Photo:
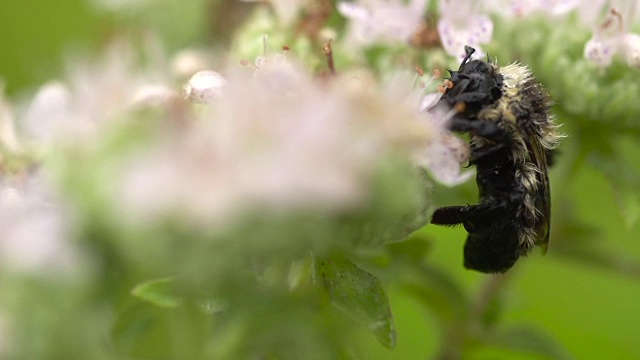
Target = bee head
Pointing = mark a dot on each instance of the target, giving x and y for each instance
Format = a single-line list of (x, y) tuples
[(476, 84)]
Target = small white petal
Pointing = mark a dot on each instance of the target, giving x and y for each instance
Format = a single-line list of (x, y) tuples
[(481, 29), (49, 108), (454, 178), (454, 38), (151, 95), (261, 61), (445, 153), (457, 147), (631, 44), (599, 51), (352, 10), (204, 87), (443, 163), (451, 38), (462, 23), (429, 101)]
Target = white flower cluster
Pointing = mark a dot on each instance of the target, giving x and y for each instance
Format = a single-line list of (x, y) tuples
[(271, 137), (382, 20), (36, 229), (65, 116), (34, 223), (466, 22), (276, 138), (613, 37), (462, 23), (96, 93)]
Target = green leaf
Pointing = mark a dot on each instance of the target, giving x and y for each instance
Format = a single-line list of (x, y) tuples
[(531, 341), (359, 294), (159, 292)]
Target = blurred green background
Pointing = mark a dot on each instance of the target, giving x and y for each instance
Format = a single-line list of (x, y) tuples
[(591, 307), (37, 34)]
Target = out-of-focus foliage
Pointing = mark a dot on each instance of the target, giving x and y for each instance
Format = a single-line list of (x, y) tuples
[(86, 277), (38, 35)]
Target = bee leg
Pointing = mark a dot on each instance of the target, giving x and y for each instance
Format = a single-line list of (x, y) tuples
[(486, 151), (477, 218), (484, 128), (473, 217), (460, 93), (485, 215), (449, 216)]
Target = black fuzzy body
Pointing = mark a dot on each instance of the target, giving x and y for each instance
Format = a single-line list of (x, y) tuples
[(506, 113)]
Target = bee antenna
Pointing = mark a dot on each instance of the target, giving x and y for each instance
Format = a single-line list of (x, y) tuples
[(449, 70), (489, 59), (469, 51)]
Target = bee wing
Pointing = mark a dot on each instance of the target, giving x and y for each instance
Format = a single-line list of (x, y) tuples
[(539, 156)]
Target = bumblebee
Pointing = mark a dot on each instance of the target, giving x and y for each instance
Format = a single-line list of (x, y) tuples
[(507, 114)]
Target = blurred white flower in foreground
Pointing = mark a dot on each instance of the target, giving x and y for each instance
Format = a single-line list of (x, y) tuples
[(446, 152), (34, 224), (96, 94), (613, 37), (278, 140), (461, 23), (274, 141), (35, 230), (384, 21), (442, 153)]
